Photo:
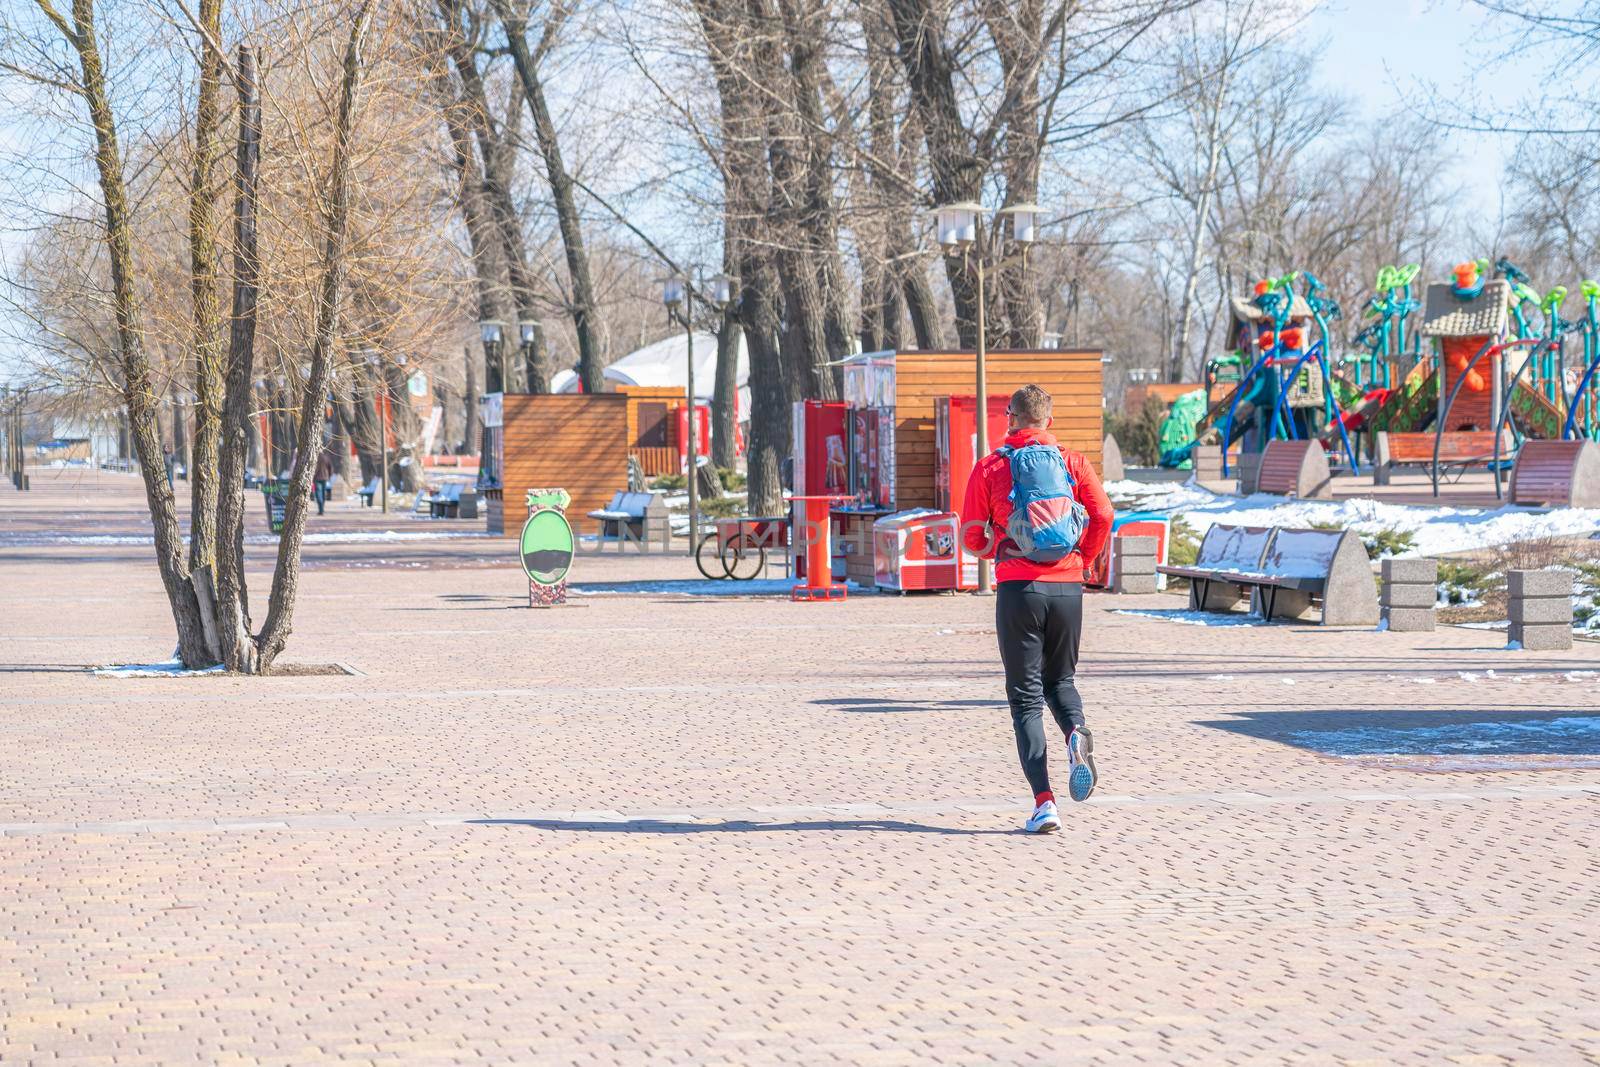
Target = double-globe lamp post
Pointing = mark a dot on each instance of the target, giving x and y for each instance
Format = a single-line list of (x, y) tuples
[(678, 296), (964, 233)]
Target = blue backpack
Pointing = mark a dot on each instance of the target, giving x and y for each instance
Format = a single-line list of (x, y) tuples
[(1046, 520)]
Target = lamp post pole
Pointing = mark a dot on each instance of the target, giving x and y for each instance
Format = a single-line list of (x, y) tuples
[(983, 399), (962, 229), (678, 295)]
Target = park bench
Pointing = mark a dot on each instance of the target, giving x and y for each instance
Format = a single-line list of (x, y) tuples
[(1292, 468), (1459, 449), (642, 515), (367, 492), (1557, 474), (1284, 573), (445, 502)]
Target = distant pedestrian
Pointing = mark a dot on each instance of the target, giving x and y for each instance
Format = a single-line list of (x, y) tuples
[(1041, 546), (169, 461), (322, 476)]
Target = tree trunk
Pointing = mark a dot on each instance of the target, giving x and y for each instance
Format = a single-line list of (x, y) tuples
[(956, 167), (286, 575), (405, 460), (724, 394), (138, 390), (469, 431), (206, 340), (237, 427), (561, 192)]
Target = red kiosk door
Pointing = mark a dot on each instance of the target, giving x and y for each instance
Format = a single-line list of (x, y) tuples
[(956, 439)]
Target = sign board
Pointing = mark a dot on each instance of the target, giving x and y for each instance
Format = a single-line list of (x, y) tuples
[(276, 503), (546, 547)]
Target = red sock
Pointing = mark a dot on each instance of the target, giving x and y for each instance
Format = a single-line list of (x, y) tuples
[(1043, 798)]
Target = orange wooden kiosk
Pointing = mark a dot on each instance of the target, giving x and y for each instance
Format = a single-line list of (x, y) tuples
[(576, 441)]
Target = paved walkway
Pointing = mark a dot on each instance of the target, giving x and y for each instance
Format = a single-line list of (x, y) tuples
[(647, 828)]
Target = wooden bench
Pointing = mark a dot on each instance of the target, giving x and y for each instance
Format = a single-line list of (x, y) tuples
[(1294, 468), (1460, 449), (1284, 573), (1560, 474), (641, 516)]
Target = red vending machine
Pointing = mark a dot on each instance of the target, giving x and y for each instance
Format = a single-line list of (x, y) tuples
[(956, 444), (915, 550), (821, 455)]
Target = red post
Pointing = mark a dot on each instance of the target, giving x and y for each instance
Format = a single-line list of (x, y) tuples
[(814, 527)]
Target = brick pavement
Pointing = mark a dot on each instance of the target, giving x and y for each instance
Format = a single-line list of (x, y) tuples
[(652, 829)]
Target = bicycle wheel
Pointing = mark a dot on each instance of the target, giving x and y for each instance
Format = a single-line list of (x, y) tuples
[(743, 559), (708, 559)]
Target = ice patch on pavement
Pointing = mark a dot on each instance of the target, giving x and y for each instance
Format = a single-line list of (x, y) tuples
[(1569, 736), (1189, 617), (172, 668)]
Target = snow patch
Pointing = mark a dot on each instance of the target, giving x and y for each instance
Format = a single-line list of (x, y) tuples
[(1434, 529), (1190, 618), (172, 668)]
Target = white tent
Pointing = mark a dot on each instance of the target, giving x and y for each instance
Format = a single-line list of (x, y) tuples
[(665, 364)]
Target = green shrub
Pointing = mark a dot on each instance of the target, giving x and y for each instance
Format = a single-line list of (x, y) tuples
[(723, 507), (1139, 434), (1462, 582), (732, 480), (1380, 544), (670, 483), (1183, 544)]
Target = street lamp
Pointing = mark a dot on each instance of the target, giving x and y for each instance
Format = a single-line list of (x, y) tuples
[(492, 331), (963, 233), (678, 296)]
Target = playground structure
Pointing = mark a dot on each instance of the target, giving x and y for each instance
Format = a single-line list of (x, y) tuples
[(1288, 390), (1481, 365)]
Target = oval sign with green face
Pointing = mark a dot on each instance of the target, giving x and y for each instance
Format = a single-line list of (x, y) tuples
[(546, 547)]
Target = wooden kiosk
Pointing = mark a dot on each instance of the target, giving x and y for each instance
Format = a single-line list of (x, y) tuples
[(574, 441)]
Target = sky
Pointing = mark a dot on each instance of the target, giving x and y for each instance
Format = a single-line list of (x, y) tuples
[(1384, 53), (1380, 53)]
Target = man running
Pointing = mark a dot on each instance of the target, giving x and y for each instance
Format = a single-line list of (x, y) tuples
[(1039, 604)]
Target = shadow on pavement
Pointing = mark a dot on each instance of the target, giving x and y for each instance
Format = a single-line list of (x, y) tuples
[(654, 826), (880, 706)]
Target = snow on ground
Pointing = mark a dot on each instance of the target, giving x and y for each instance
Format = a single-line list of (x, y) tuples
[(1193, 618), (171, 668), (1435, 529)]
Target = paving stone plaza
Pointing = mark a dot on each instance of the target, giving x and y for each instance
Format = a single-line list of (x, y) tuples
[(648, 827)]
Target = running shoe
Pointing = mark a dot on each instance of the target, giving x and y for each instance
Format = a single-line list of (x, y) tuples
[(1080, 754), (1044, 820)]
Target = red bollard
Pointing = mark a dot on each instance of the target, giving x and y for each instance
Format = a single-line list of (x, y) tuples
[(814, 527)]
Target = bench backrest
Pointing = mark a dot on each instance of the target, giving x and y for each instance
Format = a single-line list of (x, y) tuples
[(616, 501), (1557, 474), (633, 503), (1302, 553), (1455, 446), (451, 492), (370, 488), (1293, 468), (1234, 548)]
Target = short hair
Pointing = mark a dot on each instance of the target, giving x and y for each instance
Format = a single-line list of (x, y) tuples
[(1032, 405)]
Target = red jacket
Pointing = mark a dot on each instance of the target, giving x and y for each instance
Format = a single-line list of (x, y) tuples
[(988, 504)]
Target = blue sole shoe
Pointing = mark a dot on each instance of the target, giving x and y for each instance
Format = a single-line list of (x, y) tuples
[(1080, 754)]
